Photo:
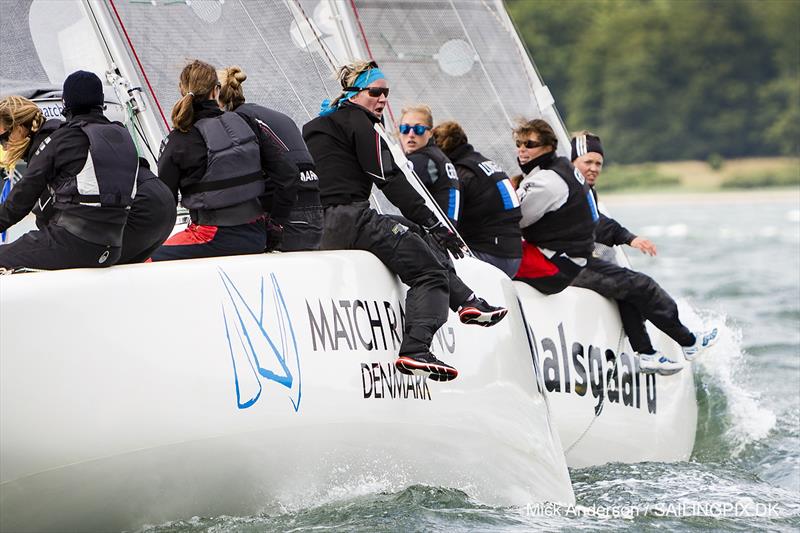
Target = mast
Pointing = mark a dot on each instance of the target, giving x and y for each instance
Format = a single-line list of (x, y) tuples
[(123, 76)]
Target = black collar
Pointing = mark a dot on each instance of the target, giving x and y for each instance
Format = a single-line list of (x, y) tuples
[(460, 151), (372, 116), (540, 161)]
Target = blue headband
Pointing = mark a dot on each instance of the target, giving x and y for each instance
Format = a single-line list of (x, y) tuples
[(362, 81)]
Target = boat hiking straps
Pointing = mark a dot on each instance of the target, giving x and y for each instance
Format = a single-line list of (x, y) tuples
[(599, 409)]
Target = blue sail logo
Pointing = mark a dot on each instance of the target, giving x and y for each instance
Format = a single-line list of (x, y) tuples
[(259, 357)]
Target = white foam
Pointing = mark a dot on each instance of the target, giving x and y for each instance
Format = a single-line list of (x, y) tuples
[(725, 363), (793, 215)]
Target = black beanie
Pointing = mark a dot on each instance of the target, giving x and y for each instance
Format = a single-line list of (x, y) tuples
[(82, 90), (583, 144)]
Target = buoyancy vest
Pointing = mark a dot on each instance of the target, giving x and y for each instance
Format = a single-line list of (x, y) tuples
[(439, 176), (285, 133), (108, 179), (491, 208), (570, 228), (283, 130), (233, 173)]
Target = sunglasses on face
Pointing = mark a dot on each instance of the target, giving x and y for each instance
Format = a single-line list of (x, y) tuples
[(419, 129), (529, 144), (374, 92)]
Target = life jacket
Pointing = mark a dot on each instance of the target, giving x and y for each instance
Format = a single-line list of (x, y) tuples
[(108, 178), (491, 208), (233, 173), (283, 130), (439, 175), (570, 228)]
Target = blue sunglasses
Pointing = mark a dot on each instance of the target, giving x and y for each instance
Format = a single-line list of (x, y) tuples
[(419, 129)]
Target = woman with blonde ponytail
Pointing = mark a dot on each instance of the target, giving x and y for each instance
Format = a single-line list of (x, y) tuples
[(82, 172), (218, 161), (20, 121), (302, 230)]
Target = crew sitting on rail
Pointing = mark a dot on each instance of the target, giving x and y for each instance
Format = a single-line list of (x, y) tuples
[(439, 177), (490, 218), (151, 219), (638, 296), (302, 230), (220, 161), (351, 156), (434, 168), (558, 211), (90, 165)]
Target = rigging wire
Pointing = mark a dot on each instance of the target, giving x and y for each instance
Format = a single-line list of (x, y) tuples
[(523, 57), (275, 59), (138, 62), (306, 44), (522, 46), (369, 51), (483, 67), (332, 61)]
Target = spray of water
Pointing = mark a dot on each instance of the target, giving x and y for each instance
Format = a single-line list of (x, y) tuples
[(722, 370)]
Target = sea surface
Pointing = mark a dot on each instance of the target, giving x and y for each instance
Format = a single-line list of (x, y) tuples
[(734, 259)]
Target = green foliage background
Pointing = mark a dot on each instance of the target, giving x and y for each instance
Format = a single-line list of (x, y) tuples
[(666, 80)]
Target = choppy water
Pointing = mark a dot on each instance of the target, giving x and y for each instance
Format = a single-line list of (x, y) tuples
[(735, 261)]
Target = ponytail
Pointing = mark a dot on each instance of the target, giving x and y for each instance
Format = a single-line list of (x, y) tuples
[(19, 111), (197, 81), (231, 94)]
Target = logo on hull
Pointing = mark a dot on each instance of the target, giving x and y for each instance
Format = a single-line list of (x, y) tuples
[(262, 343)]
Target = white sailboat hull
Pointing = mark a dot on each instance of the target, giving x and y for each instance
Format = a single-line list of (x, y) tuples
[(146, 393), (601, 417)]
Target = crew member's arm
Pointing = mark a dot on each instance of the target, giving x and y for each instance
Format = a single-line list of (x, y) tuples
[(376, 160), (168, 169), (280, 171), (612, 233), (30, 187), (539, 194)]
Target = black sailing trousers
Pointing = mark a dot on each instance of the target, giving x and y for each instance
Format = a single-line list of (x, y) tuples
[(54, 248), (459, 292), (639, 298), (357, 227)]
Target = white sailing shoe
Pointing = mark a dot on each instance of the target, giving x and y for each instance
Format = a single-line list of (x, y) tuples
[(702, 340), (651, 363)]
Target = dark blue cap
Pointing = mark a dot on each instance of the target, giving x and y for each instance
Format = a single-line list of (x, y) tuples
[(82, 90)]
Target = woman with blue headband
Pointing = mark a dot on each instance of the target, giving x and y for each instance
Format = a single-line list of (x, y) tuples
[(350, 156)]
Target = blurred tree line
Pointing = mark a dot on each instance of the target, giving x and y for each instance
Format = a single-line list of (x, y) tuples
[(671, 79)]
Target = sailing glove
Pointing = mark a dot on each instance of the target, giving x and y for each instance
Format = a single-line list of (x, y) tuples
[(446, 239), (274, 235)]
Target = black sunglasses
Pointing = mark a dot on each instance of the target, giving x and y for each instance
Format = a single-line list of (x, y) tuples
[(374, 92), (4, 136), (419, 129), (529, 144)]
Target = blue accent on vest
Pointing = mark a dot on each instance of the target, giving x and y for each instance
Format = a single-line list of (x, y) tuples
[(452, 204), (3, 196), (508, 203), (593, 206)]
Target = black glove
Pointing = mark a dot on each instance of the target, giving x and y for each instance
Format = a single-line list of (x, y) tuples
[(448, 240), (274, 235)]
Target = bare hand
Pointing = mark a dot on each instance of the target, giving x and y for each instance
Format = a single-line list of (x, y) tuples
[(645, 245)]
